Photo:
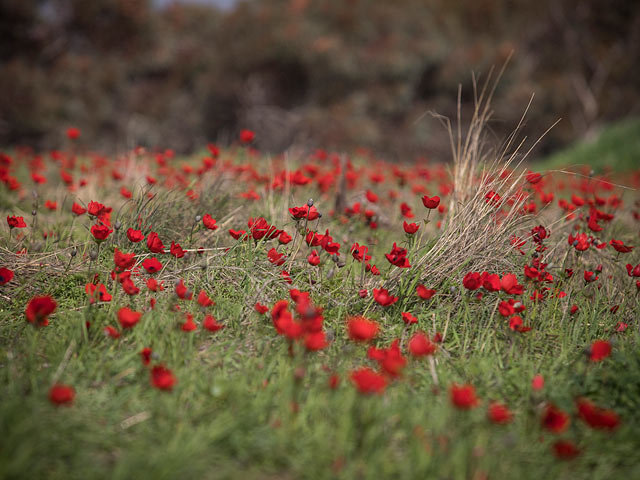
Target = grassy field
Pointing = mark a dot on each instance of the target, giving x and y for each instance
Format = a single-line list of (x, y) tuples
[(309, 389), (615, 148)]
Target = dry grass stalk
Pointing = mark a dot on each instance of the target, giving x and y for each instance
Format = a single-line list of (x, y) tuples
[(477, 236)]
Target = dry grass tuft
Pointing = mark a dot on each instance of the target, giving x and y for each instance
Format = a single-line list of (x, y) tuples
[(478, 234)]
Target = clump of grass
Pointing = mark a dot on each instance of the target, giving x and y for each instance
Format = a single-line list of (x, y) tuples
[(485, 209)]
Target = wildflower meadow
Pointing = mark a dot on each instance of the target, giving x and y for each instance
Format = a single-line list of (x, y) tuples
[(317, 314)]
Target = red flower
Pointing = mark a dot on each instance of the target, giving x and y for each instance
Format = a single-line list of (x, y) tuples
[(284, 238), (537, 383), (499, 413), (533, 177), (152, 265), (246, 136), (472, 281), (590, 276), (100, 232), (359, 252), (189, 325), (38, 309), (619, 246), (162, 378), (176, 250), (372, 197), (405, 210), (154, 286), (112, 332), (182, 291), (554, 419), (134, 236), (91, 290), (145, 354), (383, 298), (123, 261), (5, 276), (361, 329), (633, 271), (424, 292), (261, 308), (126, 193), (398, 257), (491, 282), (209, 222), (565, 450), (286, 277), (128, 318), (211, 324), (315, 341), (304, 212), (367, 381), (236, 233), (408, 318), (61, 394), (390, 359), (73, 133), (154, 244), (15, 222), (204, 300), (509, 284), (95, 209), (506, 309), (260, 228), (516, 324), (597, 417), (410, 228), (78, 209), (421, 346), (313, 258), (128, 286), (463, 396), (600, 349), (275, 257), (431, 202)]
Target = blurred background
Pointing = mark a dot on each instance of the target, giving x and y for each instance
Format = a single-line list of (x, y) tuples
[(336, 74)]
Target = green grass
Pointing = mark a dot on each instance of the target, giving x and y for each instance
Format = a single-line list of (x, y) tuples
[(230, 415), (616, 147)]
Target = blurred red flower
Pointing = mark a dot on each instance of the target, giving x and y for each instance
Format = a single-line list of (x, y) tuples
[(128, 318), (361, 329), (154, 244), (134, 236), (554, 419), (5, 275), (463, 396), (247, 136), (499, 413), (209, 222), (599, 350), (162, 378), (420, 345), (15, 222), (368, 381), (73, 133), (383, 298), (38, 309), (211, 324), (61, 394)]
